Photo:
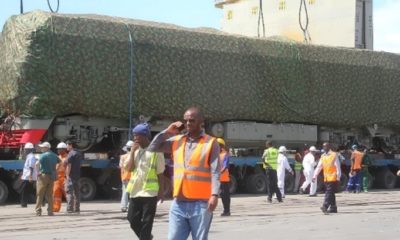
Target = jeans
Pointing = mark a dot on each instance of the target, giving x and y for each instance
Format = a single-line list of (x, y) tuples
[(141, 214), (225, 197), (72, 191), (187, 217), (272, 185), (297, 180), (124, 196), (330, 198)]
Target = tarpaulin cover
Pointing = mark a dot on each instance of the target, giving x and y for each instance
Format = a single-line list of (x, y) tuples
[(58, 64)]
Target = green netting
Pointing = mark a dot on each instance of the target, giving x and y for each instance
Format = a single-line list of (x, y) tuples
[(57, 64)]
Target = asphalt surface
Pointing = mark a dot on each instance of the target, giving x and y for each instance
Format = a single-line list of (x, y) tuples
[(373, 215)]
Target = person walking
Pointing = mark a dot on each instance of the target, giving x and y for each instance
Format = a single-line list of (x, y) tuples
[(29, 174), (146, 183), (125, 175), (309, 164), (354, 183), (196, 175), (297, 169), (366, 162), (270, 164), (45, 180), (58, 189), (73, 174), (224, 178), (283, 165), (330, 165)]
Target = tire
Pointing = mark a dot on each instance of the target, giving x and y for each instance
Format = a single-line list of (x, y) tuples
[(343, 182), (289, 183), (233, 184), (386, 179), (256, 183), (3, 192), (88, 189)]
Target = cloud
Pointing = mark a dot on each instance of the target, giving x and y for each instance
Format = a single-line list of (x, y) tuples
[(386, 26)]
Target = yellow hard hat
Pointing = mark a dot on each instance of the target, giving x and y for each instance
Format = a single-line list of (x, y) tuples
[(221, 141)]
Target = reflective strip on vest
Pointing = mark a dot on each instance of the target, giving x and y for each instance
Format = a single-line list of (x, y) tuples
[(224, 177), (150, 181), (272, 158), (192, 179), (297, 166), (329, 168)]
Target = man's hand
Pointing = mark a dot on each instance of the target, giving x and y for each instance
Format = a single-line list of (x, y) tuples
[(212, 203), (174, 127), (30, 179), (135, 147)]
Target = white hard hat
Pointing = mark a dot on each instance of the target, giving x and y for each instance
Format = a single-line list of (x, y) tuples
[(29, 145), (282, 149), (313, 149), (62, 145), (45, 145)]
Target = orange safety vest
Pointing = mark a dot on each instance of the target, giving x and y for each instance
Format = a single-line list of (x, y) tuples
[(193, 178), (125, 175), (329, 168), (224, 177), (357, 156)]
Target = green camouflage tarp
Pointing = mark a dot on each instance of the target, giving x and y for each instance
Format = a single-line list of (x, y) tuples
[(58, 64)]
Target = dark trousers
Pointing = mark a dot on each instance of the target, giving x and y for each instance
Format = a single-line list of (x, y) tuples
[(226, 197), (141, 214), (330, 198), (26, 192), (272, 186)]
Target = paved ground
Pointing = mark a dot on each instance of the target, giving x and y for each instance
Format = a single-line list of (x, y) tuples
[(374, 215)]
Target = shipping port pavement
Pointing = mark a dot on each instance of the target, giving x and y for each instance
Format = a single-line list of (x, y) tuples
[(373, 215)]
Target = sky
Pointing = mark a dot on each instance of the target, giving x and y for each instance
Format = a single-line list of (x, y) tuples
[(197, 13)]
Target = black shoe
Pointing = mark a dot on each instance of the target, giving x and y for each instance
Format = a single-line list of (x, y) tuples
[(24, 205), (225, 214), (301, 191), (332, 210), (324, 210), (280, 200), (269, 200), (312, 195)]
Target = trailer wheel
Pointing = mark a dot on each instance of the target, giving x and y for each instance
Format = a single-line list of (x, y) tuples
[(256, 183), (88, 189), (233, 184), (343, 182), (289, 183), (3, 192), (385, 178)]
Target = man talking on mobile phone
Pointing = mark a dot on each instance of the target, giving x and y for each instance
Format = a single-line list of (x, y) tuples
[(196, 175)]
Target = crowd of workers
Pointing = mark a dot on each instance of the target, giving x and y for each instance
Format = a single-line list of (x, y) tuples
[(200, 176), (55, 176)]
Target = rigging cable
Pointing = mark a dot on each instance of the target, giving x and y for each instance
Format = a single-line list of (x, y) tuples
[(260, 19), (51, 9), (304, 28)]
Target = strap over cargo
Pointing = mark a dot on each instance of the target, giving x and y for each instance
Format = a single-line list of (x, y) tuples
[(57, 64)]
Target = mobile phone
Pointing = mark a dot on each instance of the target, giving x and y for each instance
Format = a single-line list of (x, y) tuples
[(181, 128)]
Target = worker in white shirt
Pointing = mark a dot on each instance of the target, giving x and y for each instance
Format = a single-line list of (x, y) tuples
[(283, 164), (309, 164), (330, 164)]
